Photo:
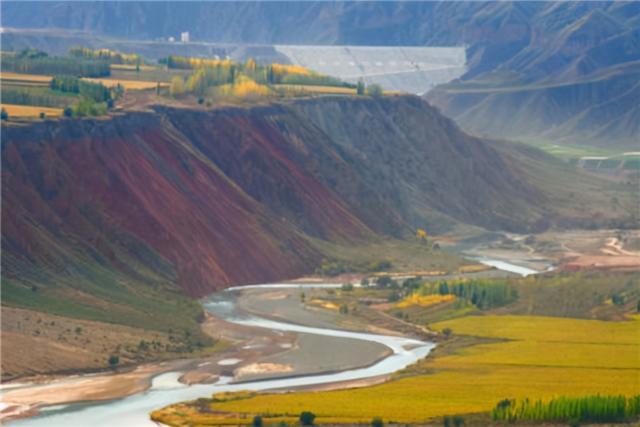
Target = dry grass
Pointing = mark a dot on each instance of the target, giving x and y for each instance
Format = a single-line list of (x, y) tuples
[(316, 89), (548, 357), (30, 111), (133, 67), (128, 84), (27, 78)]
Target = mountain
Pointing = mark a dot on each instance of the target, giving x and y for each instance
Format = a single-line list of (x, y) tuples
[(111, 225), (214, 198), (563, 71)]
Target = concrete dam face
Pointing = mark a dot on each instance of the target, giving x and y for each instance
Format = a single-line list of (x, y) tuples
[(396, 68)]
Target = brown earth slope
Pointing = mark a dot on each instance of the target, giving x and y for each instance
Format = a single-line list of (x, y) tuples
[(215, 198)]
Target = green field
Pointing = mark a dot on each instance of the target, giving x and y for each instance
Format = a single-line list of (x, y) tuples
[(488, 358)]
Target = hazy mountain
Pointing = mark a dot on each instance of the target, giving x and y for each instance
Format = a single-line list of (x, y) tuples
[(522, 55)]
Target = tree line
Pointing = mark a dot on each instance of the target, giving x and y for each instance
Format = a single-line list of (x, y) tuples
[(95, 91), (30, 62), (485, 294), (111, 56), (592, 409)]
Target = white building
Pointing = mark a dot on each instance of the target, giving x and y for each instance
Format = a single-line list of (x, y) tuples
[(184, 37)]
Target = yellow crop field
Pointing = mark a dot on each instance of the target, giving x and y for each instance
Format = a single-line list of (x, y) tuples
[(127, 84), (543, 358), (132, 67), (25, 78), (30, 110), (425, 300), (551, 329)]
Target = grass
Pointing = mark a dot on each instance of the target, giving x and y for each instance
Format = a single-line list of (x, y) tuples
[(31, 111), (488, 358), (475, 378), (403, 255)]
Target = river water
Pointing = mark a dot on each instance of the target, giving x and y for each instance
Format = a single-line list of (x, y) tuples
[(133, 411)]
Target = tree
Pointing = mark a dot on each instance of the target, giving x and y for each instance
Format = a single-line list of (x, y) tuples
[(344, 309), (377, 422), (4, 115), (307, 418), (458, 421), (446, 421), (68, 112), (383, 281), (447, 332), (177, 86), (110, 104), (302, 296), (347, 287), (374, 90), (360, 87), (421, 234), (42, 115), (365, 282), (257, 421), (113, 360)]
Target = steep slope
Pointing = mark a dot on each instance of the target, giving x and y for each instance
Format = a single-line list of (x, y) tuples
[(100, 209), (589, 109)]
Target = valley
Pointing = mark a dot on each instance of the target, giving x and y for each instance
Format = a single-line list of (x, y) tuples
[(320, 214)]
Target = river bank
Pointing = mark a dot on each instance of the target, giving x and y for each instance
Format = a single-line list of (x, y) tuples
[(276, 355), (266, 353)]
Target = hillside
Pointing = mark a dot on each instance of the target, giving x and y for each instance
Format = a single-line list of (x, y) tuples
[(232, 195)]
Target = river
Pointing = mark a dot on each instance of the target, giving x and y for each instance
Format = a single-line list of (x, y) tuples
[(133, 411)]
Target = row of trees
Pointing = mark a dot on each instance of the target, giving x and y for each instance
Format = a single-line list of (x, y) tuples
[(483, 293), (593, 409), (70, 84), (111, 56), (220, 72), (43, 64), (32, 96)]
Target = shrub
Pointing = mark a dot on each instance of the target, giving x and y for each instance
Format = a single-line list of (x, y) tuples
[(458, 421), (42, 115), (114, 360), (257, 421), (377, 422), (4, 115), (447, 332), (68, 112), (374, 90), (347, 287), (307, 418)]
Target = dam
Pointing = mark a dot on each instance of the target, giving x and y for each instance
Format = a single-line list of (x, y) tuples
[(396, 68)]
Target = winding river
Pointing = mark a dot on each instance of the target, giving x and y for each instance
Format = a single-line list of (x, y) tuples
[(133, 411)]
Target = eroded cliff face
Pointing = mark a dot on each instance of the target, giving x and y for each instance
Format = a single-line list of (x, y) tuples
[(209, 199)]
